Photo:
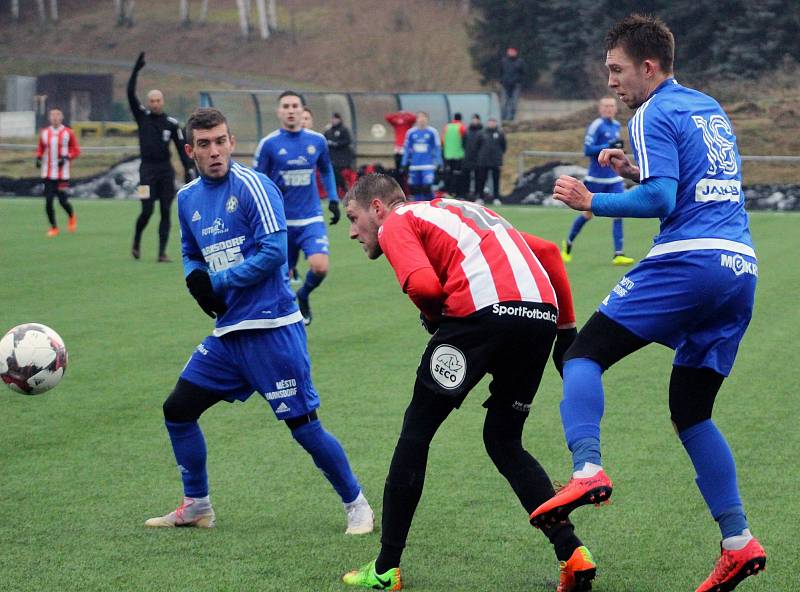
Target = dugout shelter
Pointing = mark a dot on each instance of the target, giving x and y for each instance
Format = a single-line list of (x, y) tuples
[(251, 114)]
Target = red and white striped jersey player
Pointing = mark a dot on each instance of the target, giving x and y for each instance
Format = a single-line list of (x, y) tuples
[(494, 299), (54, 154)]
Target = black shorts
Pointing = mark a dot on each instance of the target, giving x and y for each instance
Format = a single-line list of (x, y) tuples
[(511, 341)]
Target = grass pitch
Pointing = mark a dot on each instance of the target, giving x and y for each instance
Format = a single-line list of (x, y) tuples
[(84, 465)]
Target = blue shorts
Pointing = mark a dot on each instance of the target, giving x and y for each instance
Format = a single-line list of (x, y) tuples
[(423, 177), (312, 239), (273, 362), (618, 187), (698, 303)]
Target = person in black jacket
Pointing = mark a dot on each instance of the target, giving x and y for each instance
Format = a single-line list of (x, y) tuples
[(339, 147), (492, 145), (472, 143), (156, 175), (512, 73)]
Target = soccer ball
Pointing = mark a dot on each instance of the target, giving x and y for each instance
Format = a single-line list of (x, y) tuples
[(33, 358)]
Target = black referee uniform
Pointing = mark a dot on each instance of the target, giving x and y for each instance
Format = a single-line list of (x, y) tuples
[(156, 131)]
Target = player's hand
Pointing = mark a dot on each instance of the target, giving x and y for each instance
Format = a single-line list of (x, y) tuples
[(564, 338), (38, 163), (616, 144), (573, 193), (62, 160), (139, 62), (619, 161), (199, 284), (333, 208), (429, 325)]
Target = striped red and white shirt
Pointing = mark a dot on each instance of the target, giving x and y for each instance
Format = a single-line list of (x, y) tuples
[(479, 258), (56, 144)]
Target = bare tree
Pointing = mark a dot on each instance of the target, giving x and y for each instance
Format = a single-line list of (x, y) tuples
[(42, 13), (262, 19), (184, 12), (272, 11), (15, 9), (124, 11), (244, 17), (54, 10), (203, 11), (465, 7)]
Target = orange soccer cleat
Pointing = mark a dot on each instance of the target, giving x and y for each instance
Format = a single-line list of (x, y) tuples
[(577, 572), (72, 224), (580, 491), (53, 232), (734, 566)]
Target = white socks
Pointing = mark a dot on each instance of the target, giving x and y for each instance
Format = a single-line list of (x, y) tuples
[(199, 504), (588, 470), (737, 542), (357, 502)]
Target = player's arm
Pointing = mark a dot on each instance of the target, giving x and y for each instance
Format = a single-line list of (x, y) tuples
[(263, 205), (73, 149), (195, 272), (136, 106), (261, 157), (329, 183), (437, 149), (40, 150), (180, 141), (655, 198), (406, 149)]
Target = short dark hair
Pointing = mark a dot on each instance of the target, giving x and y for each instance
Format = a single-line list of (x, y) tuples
[(204, 118), (457, 117), (309, 110), (292, 93), (375, 185), (644, 37)]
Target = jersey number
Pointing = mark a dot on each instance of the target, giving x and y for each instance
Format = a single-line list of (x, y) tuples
[(717, 135), (482, 218), (222, 260)]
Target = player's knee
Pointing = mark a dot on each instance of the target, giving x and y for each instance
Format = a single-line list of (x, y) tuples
[(502, 435), (183, 404), (692, 392), (318, 268)]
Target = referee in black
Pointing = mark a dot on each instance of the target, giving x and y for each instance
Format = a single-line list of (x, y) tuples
[(156, 175)]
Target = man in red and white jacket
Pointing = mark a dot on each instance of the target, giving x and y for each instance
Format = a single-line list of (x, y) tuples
[(58, 146), (494, 299)]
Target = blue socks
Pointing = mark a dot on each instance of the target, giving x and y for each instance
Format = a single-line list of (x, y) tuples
[(312, 281), (577, 224), (716, 475), (189, 447), (617, 232), (329, 457), (582, 409)]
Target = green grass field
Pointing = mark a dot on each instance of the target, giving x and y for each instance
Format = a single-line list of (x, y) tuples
[(84, 465)]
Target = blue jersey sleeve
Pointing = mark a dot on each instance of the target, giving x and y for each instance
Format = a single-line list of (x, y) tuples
[(407, 147), (191, 255), (261, 157), (262, 204), (326, 172), (655, 198), (591, 143), (436, 149), (655, 143)]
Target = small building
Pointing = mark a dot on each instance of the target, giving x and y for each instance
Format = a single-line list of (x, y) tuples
[(82, 97)]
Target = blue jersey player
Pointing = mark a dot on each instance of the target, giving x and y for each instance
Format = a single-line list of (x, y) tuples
[(693, 292), (290, 156), (602, 133), (422, 156), (233, 237)]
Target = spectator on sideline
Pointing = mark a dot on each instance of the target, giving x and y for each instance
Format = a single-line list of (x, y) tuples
[(492, 145), (453, 153), (472, 142), (57, 147), (512, 73), (340, 148)]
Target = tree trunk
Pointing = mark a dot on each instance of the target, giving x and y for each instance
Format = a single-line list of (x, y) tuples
[(15, 9), (272, 12), (244, 18), (42, 13), (203, 12), (129, 6), (54, 10), (465, 6), (184, 12), (262, 19)]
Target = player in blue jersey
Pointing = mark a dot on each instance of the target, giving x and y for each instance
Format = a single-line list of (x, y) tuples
[(233, 238), (422, 157), (602, 133), (290, 156), (693, 292)]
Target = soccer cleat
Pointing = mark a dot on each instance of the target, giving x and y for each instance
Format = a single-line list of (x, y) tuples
[(565, 254), (164, 259), (360, 518), (185, 515), (136, 252), (577, 572), (72, 223), (52, 232), (622, 260), (305, 310), (734, 566), (579, 491), (366, 577)]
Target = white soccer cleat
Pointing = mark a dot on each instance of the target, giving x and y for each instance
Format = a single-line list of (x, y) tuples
[(360, 517), (185, 515)]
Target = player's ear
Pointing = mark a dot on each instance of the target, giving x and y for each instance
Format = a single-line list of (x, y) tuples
[(649, 68), (233, 142), (189, 150)]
